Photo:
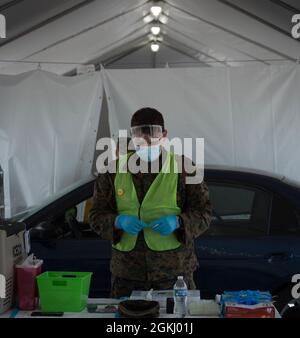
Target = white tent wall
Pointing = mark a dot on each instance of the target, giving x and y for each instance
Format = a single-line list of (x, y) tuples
[(48, 128), (248, 116)]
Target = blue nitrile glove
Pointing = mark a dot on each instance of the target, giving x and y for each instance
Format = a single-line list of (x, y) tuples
[(130, 224), (165, 225)]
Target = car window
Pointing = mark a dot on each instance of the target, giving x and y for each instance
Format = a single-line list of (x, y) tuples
[(238, 210), (284, 218)]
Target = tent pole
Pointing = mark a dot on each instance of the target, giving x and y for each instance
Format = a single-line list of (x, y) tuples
[(1, 193), (153, 60)]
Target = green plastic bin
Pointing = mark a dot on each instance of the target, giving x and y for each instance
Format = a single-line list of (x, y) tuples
[(63, 291)]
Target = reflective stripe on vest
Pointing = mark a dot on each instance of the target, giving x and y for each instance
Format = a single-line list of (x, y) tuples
[(160, 200)]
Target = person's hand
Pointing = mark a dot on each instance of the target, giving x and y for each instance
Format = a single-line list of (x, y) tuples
[(130, 224), (165, 225)]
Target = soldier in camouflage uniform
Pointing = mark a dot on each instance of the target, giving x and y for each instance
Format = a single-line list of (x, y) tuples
[(143, 268)]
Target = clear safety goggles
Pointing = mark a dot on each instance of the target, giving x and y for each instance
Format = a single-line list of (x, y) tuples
[(146, 134), (148, 130)]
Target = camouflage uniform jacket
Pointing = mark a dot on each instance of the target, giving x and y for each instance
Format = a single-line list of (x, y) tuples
[(143, 264)]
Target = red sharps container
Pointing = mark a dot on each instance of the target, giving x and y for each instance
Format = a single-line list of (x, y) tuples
[(27, 291)]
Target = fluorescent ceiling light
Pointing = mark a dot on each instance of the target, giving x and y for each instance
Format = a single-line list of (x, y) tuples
[(155, 30), (155, 38), (154, 47), (148, 18), (163, 19), (156, 11)]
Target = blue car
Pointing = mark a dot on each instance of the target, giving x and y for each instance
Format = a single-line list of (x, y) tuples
[(253, 241)]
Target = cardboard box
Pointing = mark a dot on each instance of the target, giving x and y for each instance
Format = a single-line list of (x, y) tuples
[(261, 310)]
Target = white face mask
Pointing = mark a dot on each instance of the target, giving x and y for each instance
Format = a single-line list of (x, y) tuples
[(148, 153)]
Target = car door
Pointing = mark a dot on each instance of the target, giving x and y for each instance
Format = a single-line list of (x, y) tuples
[(234, 253), (285, 237), (67, 243)]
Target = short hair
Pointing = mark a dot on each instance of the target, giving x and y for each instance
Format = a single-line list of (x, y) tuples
[(147, 115)]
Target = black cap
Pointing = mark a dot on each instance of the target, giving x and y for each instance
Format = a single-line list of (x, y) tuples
[(149, 116)]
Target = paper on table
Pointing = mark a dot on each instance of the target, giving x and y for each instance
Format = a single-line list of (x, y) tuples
[(204, 308)]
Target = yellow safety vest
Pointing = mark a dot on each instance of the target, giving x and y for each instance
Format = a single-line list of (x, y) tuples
[(160, 200)]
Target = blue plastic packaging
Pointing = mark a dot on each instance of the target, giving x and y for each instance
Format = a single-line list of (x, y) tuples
[(247, 297)]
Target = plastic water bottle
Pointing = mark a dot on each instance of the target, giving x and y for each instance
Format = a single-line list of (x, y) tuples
[(180, 297)]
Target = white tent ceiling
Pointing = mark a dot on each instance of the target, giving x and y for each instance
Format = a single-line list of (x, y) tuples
[(112, 32)]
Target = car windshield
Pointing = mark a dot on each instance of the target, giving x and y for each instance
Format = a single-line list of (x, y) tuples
[(33, 209)]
